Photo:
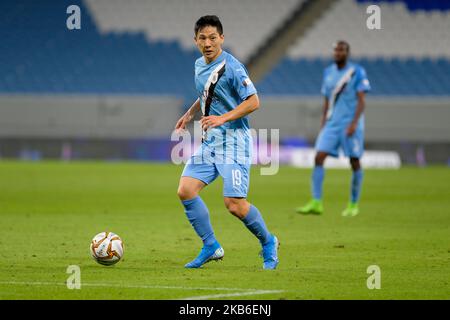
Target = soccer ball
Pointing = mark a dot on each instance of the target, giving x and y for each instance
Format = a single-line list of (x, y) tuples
[(107, 248)]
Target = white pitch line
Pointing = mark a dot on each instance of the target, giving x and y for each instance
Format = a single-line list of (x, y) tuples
[(114, 285), (235, 294)]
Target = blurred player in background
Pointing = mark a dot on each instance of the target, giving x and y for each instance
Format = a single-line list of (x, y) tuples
[(344, 87), (226, 97)]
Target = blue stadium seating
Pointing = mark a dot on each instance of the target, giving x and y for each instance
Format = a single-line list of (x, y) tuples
[(38, 54), (389, 77), (414, 5)]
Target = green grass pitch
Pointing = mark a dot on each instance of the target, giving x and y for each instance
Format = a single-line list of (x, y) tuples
[(49, 212)]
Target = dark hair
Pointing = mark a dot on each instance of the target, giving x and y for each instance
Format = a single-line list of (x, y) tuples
[(344, 43), (212, 21)]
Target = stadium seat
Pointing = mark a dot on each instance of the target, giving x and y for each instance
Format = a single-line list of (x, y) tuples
[(410, 55), (126, 47)]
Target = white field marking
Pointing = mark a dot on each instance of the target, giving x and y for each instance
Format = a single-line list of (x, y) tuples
[(235, 294), (114, 285)]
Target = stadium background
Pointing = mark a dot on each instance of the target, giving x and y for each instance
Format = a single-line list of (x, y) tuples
[(114, 89)]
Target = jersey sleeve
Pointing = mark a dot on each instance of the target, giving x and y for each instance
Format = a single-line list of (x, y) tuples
[(362, 82), (324, 90), (241, 82)]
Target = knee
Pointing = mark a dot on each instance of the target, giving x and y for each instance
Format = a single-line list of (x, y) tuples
[(320, 159), (231, 206), (356, 165), (237, 207), (185, 193)]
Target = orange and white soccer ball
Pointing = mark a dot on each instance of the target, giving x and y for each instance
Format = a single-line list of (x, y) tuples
[(107, 248)]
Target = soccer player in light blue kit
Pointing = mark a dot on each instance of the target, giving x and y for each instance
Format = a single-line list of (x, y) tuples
[(344, 87), (226, 97)]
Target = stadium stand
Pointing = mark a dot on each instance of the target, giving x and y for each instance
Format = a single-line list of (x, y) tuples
[(115, 88), (132, 47), (137, 46), (247, 23), (413, 5), (38, 54), (412, 50)]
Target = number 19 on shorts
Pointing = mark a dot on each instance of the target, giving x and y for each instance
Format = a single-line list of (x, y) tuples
[(237, 177)]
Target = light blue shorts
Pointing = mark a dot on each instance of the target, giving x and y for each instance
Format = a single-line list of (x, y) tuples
[(206, 166), (330, 139)]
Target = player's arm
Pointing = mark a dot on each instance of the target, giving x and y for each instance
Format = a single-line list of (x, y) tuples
[(325, 92), (324, 112), (188, 116), (359, 110), (246, 107)]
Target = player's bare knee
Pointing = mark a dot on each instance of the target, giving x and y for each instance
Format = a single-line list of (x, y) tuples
[(320, 159), (181, 193), (185, 193), (237, 207), (355, 164), (233, 209), (230, 204)]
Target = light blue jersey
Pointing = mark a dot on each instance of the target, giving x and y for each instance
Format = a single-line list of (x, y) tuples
[(222, 85), (340, 87)]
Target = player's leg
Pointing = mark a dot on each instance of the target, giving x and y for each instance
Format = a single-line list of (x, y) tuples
[(353, 148), (194, 178), (235, 188), (195, 209), (327, 144), (253, 220), (315, 205), (355, 189)]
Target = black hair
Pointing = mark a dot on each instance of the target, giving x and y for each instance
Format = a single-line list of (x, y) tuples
[(344, 43), (212, 21)]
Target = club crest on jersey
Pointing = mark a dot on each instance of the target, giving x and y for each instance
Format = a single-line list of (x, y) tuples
[(247, 82)]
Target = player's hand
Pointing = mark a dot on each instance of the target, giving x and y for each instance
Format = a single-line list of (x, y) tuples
[(181, 124), (211, 122), (351, 129)]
